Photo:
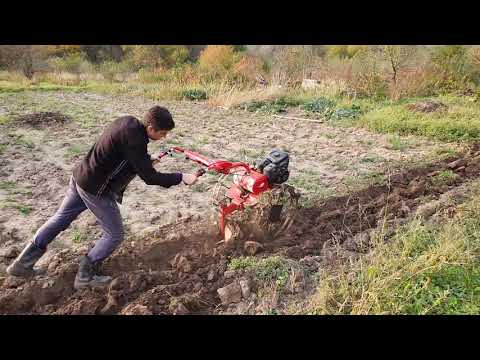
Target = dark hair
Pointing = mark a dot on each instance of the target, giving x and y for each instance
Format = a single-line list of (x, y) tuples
[(159, 118)]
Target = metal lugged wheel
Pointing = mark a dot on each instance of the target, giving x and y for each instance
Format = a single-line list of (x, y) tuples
[(270, 217), (276, 211)]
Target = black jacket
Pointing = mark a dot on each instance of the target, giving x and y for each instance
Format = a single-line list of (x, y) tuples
[(116, 158)]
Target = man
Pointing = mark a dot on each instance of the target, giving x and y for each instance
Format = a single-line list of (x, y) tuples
[(97, 184)]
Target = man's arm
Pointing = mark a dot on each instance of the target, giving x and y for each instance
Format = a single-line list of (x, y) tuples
[(140, 160)]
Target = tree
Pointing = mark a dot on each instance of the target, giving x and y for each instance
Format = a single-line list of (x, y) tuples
[(397, 56), (26, 58), (100, 53)]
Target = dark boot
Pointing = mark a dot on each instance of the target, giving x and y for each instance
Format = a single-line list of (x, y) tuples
[(23, 265), (88, 275)]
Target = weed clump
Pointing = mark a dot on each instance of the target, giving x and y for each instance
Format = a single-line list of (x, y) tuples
[(273, 269), (194, 94), (278, 105), (322, 106)]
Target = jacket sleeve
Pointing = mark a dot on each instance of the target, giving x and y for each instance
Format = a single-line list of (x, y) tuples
[(138, 157)]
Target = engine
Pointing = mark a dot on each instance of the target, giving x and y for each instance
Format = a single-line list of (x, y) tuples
[(274, 166)]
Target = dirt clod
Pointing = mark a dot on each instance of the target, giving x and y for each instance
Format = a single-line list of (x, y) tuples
[(358, 243), (211, 275), (181, 263), (245, 285), (229, 274), (10, 252), (13, 282), (457, 163), (231, 293), (180, 309), (252, 247), (136, 309)]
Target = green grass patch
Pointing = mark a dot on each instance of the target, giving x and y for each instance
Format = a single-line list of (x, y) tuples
[(461, 121), (321, 105), (4, 120), (446, 177), (396, 142), (329, 109), (7, 185), (22, 140), (14, 87), (424, 269), (273, 269), (243, 263), (194, 94), (23, 209), (275, 106), (446, 152), (78, 236), (74, 150), (371, 158), (313, 190)]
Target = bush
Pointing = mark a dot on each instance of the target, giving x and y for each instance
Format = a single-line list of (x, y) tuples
[(474, 62), (186, 74), (152, 76), (111, 69), (64, 50), (249, 67), (71, 63), (217, 60), (450, 62), (367, 79), (194, 94), (343, 51), (291, 65), (156, 56), (415, 82)]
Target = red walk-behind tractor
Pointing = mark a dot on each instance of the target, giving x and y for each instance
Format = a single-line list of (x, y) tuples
[(253, 201)]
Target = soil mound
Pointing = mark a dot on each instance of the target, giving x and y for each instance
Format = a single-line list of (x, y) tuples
[(427, 106), (42, 119)]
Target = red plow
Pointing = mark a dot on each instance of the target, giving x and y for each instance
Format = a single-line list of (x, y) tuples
[(260, 187)]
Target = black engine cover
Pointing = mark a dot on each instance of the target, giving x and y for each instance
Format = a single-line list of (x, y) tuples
[(275, 166)]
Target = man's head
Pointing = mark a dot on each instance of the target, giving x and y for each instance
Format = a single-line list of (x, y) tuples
[(158, 121)]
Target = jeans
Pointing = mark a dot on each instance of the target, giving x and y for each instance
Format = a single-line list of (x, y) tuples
[(75, 202)]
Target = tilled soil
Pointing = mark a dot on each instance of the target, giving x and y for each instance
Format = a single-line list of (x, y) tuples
[(179, 268), (36, 161)]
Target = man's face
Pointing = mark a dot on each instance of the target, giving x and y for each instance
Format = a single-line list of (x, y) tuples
[(156, 135)]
